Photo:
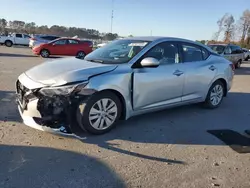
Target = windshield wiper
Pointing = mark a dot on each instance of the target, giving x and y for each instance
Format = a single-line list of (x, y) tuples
[(95, 60)]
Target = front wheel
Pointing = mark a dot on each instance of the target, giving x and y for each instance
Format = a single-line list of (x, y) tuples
[(44, 53), (99, 113), (8, 43), (215, 95)]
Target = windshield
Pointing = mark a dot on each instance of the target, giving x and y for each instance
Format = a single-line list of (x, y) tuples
[(217, 48), (117, 52)]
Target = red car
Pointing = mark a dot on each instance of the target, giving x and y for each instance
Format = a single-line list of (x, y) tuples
[(65, 47)]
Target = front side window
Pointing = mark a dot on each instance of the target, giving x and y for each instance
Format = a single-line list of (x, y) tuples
[(117, 52), (60, 42), (228, 50), (191, 53), (166, 53)]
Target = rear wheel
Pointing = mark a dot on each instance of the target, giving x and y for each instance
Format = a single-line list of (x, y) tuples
[(99, 113), (215, 95), (8, 43), (80, 55), (44, 53), (238, 64), (248, 57)]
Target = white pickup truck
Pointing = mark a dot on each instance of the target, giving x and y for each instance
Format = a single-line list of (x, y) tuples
[(15, 39)]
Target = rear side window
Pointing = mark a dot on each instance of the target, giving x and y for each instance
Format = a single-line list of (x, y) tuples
[(236, 49), (60, 42), (192, 53), (19, 35), (73, 42), (49, 38)]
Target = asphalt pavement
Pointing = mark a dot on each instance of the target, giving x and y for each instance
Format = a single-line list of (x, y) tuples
[(170, 148)]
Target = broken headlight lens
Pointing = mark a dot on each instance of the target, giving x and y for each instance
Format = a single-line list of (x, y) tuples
[(63, 90)]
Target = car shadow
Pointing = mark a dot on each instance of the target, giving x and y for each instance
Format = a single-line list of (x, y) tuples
[(184, 126), (179, 127), (243, 71), (8, 107), (16, 55), (23, 166), (25, 55)]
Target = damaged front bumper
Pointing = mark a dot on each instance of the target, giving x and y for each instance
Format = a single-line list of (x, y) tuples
[(46, 113)]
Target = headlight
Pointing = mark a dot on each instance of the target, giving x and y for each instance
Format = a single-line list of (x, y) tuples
[(63, 90)]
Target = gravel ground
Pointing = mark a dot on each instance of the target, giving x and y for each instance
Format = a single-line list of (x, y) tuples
[(171, 148)]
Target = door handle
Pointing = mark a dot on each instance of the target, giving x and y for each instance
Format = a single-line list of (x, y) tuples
[(177, 73), (212, 68)]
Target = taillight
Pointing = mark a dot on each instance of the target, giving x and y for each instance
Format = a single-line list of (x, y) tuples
[(232, 67)]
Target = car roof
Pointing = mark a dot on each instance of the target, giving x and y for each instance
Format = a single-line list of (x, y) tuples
[(154, 38), (218, 44), (69, 38), (160, 38)]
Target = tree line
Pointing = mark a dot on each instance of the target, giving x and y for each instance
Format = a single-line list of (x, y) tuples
[(17, 26), (234, 31)]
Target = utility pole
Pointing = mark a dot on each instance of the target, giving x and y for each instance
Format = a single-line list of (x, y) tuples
[(112, 16), (151, 32)]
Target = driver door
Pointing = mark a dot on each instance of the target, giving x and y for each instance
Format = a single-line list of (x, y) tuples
[(160, 86)]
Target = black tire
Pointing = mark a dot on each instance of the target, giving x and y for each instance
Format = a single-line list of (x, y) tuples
[(8, 43), (81, 54), (45, 53), (248, 57), (208, 103), (238, 64), (85, 106)]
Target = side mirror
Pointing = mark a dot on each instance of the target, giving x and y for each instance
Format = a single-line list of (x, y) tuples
[(150, 62)]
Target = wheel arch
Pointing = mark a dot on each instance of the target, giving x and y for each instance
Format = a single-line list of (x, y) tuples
[(224, 82), (122, 100), (44, 49)]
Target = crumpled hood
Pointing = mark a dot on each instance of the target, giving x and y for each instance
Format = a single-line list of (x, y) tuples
[(66, 70)]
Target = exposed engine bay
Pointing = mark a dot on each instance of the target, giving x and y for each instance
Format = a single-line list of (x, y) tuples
[(56, 111)]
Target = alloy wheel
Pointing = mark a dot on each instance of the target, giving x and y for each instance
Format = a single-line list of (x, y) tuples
[(103, 114), (216, 95), (44, 53), (81, 55)]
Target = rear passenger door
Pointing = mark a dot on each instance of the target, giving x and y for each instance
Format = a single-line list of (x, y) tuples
[(73, 47), (199, 71), (237, 53)]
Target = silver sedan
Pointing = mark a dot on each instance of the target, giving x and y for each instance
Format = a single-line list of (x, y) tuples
[(124, 78)]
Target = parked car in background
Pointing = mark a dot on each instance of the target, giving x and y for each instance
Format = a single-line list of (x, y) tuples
[(95, 92), (246, 54), (15, 39), (231, 52), (39, 39), (101, 45), (64, 47)]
